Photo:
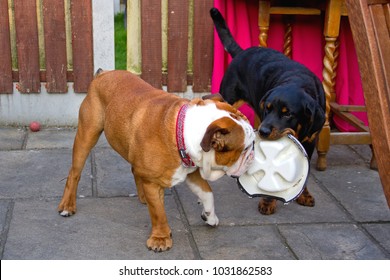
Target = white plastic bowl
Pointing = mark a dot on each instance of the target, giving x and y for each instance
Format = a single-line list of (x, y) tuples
[(279, 170)]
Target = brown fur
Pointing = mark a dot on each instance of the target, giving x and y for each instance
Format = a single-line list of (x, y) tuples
[(139, 122)]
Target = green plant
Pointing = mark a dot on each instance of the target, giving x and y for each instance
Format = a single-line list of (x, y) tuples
[(120, 42)]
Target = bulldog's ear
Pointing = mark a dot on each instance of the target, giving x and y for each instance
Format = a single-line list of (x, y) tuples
[(215, 136), (214, 97)]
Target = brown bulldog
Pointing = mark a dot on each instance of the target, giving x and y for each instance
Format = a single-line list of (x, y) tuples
[(165, 138)]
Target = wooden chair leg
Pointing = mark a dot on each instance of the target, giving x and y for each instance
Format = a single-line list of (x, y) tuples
[(373, 163), (287, 45), (329, 74), (331, 32), (263, 21), (323, 147)]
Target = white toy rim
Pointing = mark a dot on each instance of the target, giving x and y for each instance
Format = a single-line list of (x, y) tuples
[(292, 192)]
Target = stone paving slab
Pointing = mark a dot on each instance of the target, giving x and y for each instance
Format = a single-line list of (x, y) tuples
[(351, 219), (105, 228), (359, 190), (241, 243), (330, 242), (38, 174), (11, 138), (345, 155), (113, 174), (233, 207), (380, 232), (5, 214), (52, 138)]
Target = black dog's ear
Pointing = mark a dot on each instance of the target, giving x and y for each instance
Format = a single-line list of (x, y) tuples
[(315, 117), (262, 104), (261, 109)]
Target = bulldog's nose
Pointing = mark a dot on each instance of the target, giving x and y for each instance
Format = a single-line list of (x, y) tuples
[(265, 131)]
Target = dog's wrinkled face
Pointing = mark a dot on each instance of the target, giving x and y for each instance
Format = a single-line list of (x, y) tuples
[(290, 111), (227, 144)]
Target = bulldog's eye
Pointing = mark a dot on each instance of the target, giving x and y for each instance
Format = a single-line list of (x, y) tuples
[(251, 146)]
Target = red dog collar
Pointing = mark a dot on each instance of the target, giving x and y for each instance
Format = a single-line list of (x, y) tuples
[(185, 158)]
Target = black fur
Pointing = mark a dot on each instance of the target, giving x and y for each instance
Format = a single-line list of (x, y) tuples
[(284, 94), (271, 83)]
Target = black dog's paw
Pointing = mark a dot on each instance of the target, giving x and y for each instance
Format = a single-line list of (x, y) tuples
[(306, 199), (267, 206)]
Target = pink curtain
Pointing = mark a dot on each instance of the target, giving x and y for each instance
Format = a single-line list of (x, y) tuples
[(307, 48)]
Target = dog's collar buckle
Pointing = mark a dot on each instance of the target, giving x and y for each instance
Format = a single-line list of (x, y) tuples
[(185, 158)]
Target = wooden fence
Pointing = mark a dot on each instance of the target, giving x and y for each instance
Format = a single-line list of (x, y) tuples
[(51, 41), (176, 43), (45, 41)]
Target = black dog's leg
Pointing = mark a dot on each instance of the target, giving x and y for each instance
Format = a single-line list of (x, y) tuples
[(306, 199), (267, 206)]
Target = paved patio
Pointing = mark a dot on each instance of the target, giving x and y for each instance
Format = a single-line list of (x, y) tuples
[(351, 219)]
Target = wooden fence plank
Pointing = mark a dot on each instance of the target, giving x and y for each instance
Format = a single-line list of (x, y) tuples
[(5, 53), (27, 45), (151, 42), (177, 45), (203, 46), (82, 45), (55, 45)]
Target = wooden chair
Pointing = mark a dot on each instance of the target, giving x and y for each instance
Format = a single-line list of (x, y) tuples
[(370, 25), (334, 10)]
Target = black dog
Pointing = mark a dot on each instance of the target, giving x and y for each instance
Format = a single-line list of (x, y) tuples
[(285, 95)]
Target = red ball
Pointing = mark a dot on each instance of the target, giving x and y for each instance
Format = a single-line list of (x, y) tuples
[(35, 126)]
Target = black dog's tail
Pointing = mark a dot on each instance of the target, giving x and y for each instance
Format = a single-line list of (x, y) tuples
[(224, 34)]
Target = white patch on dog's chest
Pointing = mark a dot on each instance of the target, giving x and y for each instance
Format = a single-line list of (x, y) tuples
[(181, 174)]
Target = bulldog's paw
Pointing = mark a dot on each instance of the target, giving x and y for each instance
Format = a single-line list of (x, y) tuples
[(210, 218), (267, 206), (66, 211), (159, 244), (306, 199)]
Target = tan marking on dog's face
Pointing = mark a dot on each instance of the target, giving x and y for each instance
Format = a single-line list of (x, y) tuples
[(261, 105), (276, 134), (310, 139)]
